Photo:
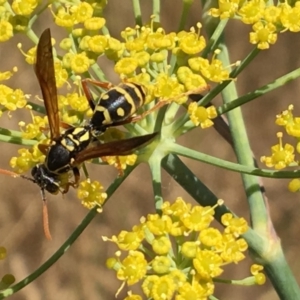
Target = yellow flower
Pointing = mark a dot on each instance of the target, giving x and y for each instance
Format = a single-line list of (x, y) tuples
[(208, 264), (290, 17), (294, 185), (129, 240), (12, 99), (27, 159), (191, 42), (61, 74), (282, 156), (82, 12), (252, 11), (7, 74), (161, 245), (126, 66), (34, 130), (161, 264), (198, 218), (90, 194), (95, 23), (133, 268), (80, 63), (272, 14), (202, 116), (263, 35), (98, 43), (24, 8), (213, 70), (63, 18), (163, 288), (168, 88), (235, 226), (226, 9), (6, 31)]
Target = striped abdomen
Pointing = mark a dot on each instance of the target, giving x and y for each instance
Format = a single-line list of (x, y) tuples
[(117, 104)]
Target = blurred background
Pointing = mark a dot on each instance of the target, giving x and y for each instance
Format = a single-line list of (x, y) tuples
[(81, 272)]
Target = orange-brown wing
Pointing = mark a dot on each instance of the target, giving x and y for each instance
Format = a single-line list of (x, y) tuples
[(44, 70), (122, 147)]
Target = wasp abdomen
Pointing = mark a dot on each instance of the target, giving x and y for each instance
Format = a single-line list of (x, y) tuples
[(117, 105)]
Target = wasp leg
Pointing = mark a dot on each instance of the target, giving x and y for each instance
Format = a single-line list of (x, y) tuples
[(118, 165), (87, 91), (74, 184), (104, 85)]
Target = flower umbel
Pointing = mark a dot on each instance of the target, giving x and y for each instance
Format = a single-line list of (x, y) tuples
[(167, 273)]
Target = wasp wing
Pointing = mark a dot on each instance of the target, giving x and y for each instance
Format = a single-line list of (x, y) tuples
[(122, 147), (44, 70)]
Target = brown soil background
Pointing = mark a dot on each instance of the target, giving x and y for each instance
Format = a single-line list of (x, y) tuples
[(81, 272)]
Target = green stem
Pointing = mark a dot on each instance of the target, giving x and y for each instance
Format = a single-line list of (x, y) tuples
[(66, 245), (250, 170), (17, 140), (38, 108), (282, 278), (32, 36), (137, 12), (99, 73), (259, 214), (281, 81), (184, 15), (156, 10), (155, 167), (214, 39)]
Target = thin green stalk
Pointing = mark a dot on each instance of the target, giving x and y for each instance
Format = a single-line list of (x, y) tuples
[(184, 14), (32, 36), (160, 118), (17, 140), (37, 108), (279, 82), (155, 167), (67, 244), (250, 170), (258, 212), (99, 73), (214, 39), (182, 22), (156, 10), (137, 12)]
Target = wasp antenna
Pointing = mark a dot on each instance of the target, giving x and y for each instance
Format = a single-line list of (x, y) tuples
[(9, 173), (45, 217)]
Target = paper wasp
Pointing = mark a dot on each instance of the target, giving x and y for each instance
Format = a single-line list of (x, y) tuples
[(70, 149)]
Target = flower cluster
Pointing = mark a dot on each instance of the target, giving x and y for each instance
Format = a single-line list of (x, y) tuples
[(266, 18), (91, 194), (178, 252), (284, 156)]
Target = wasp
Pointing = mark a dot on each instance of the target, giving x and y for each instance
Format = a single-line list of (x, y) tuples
[(76, 145), (70, 149)]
